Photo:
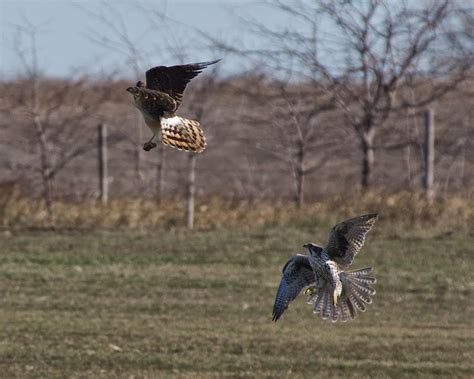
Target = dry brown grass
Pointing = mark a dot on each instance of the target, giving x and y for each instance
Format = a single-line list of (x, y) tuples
[(405, 210)]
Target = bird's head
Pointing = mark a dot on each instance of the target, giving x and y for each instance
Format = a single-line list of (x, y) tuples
[(312, 248), (134, 90)]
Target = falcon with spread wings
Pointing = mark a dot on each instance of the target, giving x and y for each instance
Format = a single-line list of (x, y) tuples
[(334, 292), (159, 100)]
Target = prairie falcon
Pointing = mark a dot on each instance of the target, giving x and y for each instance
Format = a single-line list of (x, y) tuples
[(333, 291)]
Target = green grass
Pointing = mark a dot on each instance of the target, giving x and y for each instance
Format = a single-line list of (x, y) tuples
[(198, 304)]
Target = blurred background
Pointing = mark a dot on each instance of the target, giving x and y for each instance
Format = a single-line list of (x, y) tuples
[(320, 110), (311, 100)]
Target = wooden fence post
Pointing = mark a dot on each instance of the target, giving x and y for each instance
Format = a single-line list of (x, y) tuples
[(160, 168), (190, 191), (428, 150), (102, 163)]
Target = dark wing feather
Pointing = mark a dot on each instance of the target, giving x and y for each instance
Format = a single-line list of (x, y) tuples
[(173, 80), (297, 274), (347, 238), (156, 102)]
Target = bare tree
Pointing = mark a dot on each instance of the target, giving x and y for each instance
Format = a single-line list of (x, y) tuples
[(361, 52), (118, 40), (52, 113), (294, 111)]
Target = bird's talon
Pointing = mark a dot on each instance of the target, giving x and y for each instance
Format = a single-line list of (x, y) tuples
[(149, 145)]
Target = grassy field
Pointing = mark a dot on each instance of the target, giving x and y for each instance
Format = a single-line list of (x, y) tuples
[(173, 303)]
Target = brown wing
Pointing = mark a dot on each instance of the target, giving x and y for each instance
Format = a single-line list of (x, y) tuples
[(347, 238), (173, 80), (154, 103)]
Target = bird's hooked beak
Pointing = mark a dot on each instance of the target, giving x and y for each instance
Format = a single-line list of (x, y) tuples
[(133, 91), (310, 291)]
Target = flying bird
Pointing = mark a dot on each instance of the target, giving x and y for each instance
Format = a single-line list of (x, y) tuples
[(159, 100), (334, 292)]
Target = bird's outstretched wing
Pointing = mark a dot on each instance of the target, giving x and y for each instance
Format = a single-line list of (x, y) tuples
[(173, 80), (297, 274), (347, 238)]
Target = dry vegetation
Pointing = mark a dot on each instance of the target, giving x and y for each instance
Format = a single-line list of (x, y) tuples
[(293, 129), (404, 210), (235, 166)]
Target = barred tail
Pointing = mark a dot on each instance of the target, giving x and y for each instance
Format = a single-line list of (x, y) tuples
[(356, 293), (182, 134)]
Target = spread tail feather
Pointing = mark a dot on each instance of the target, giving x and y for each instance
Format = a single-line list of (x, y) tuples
[(182, 134), (355, 295)]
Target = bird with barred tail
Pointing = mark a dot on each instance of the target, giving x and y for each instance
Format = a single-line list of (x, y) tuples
[(334, 292), (159, 100)]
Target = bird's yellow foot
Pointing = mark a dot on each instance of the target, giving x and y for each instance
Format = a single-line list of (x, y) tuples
[(149, 145), (334, 297), (310, 291)]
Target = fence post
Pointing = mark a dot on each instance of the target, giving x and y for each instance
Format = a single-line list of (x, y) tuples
[(428, 150), (102, 163), (190, 191), (160, 168)]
